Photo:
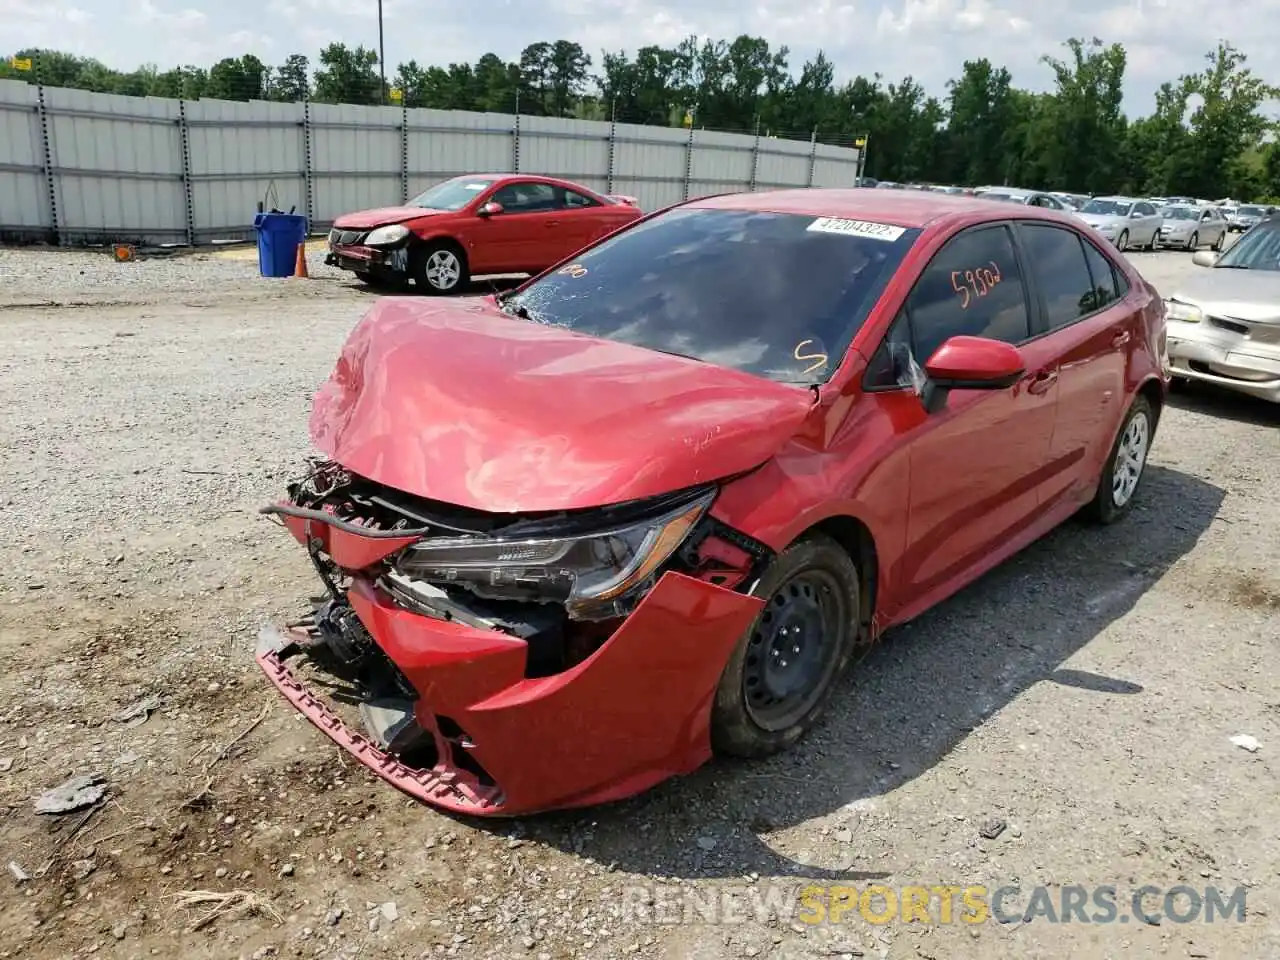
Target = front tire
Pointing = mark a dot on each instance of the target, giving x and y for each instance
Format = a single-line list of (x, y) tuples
[(1122, 241), (1193, 242), (783, 671), (1125, 465), (441, 269)]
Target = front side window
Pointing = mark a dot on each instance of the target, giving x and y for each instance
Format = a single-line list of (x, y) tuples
[(971, 287), (1179, 213), (777, 295), (451, 194), (1258, 249), (526, 197)]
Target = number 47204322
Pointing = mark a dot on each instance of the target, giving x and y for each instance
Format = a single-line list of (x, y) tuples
[(978, 282)]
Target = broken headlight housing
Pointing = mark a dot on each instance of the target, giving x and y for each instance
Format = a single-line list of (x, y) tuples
[(384, 236), (593, 573)]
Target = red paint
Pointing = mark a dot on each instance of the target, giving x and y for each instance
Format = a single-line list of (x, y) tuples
[(457, 402), (514, 416), (974, 359), (510, 242)]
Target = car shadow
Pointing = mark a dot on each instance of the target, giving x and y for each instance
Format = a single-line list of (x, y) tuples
[(1214, 401), (906, 704), (479, 287)]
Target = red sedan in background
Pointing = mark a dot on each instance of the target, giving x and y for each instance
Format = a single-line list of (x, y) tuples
[(474, 225), (642, 509)]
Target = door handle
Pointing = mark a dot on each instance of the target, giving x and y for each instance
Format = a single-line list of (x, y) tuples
[(1042, 381), (1120, 339), (553, 223)]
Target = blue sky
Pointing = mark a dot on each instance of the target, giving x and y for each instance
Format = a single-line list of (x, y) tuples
[(929, 39)]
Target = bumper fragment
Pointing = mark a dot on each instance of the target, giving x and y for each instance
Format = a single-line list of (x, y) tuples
[(634, 713)]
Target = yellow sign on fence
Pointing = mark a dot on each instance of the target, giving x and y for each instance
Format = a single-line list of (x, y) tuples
[(20, 63), (860, 142), (397, 95)]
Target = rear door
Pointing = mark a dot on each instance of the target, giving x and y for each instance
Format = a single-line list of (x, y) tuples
[(1082, 320), (975, 464), (582, 219)]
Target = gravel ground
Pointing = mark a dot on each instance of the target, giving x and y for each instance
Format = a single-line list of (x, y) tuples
[(1078, 703)]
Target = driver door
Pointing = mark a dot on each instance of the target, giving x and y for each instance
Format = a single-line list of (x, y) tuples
[(977, 465), (515, 240)]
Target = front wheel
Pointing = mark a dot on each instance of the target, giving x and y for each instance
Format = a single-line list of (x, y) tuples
[(1122, 241), (440, 268), (1125, 465), (1193, 242), (782, 673)]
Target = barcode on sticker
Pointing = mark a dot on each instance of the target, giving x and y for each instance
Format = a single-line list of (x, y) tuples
[(857, 228)]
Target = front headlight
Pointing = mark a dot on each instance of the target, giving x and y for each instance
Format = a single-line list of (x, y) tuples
[(384, 235), (588, 572), (1105, 228), (1177, 310)]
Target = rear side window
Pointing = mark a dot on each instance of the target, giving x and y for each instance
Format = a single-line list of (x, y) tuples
[(1108, 285), (972, 287), (1056, 258)]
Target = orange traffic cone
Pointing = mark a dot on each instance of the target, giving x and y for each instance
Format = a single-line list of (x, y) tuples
[(300, 266)]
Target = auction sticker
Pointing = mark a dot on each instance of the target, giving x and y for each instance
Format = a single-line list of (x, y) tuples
[(857, 228)]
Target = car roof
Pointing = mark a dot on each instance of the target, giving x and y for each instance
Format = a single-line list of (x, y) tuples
[(900, 208), (1120, 199)]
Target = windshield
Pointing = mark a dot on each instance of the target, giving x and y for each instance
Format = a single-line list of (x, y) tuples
[(451, 194), (1250, 211), (777, 295), (1107, 208), (1180, 213), (1258, 249)]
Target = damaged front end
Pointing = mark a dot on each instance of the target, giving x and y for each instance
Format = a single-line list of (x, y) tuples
[(501, 664)]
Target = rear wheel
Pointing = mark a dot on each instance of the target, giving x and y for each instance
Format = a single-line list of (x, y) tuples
[(440, 268), (1222, 241), (782, 673), (1125, 465)]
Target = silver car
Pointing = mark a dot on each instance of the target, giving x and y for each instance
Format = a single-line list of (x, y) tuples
[(1192, 227), (1123, 221), (1245, 216), (1030, 198), (1223, 326)]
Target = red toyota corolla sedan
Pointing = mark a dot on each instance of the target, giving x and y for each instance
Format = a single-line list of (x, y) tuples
[(474, 225), (579, 538)]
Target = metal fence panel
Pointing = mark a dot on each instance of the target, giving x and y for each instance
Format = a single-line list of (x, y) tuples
[(783, 163), (448, 143), (355, 154), (650, 164), (241, 154), (834, 166), (24, 194), (574, 149), (155, 170), (117, 165)]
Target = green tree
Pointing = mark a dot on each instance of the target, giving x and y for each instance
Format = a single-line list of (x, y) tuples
[(1083, 142), (348, 75), (292, 80)]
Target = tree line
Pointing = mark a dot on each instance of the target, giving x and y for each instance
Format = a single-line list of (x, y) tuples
[(1205, 135)]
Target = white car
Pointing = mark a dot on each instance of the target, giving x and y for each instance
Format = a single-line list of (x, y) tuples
[(1124, 221), (1191, 228)]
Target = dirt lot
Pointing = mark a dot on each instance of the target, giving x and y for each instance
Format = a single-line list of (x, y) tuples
[(1085, 694)]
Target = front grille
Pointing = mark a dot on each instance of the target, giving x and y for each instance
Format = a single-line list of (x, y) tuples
[(346, 236), (1232, 325)]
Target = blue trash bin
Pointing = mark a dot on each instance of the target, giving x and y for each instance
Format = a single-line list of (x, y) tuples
[(278, 237)]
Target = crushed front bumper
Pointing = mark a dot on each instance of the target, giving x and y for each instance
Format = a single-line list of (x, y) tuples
[(632, 714), (375, 261)]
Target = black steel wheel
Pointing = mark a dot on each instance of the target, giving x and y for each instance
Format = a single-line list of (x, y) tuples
[(782, 673)]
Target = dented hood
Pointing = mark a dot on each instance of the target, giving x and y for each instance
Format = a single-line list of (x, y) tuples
[(457, 402), (383, 216)]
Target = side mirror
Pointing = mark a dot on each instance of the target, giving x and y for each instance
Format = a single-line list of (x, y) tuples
[(970, 363), (1204, 258), (490, 209), (1135, 214)]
